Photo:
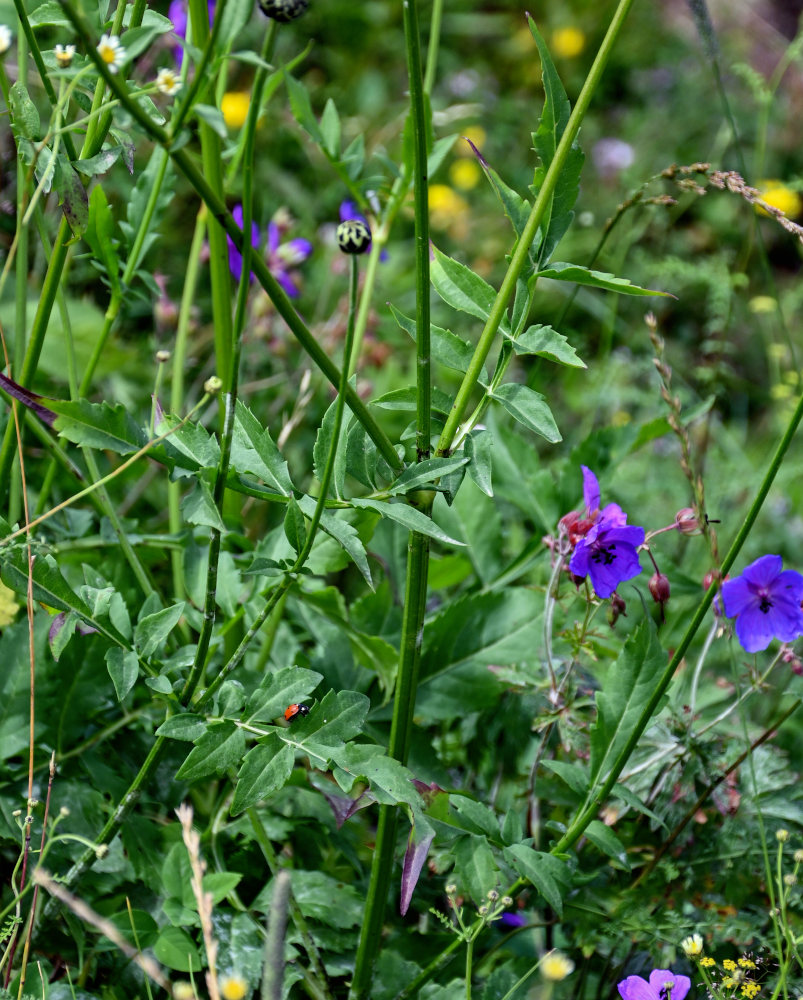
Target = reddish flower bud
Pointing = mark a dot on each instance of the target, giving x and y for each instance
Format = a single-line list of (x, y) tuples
[(686, 521), (710, 578), (659, 588), (618, 607)]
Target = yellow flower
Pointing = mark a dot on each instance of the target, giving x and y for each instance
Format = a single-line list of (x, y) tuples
[(556, 966), (475, 134), (448, 211), (707, 962), (9, 606), (747, 963), (234, 107), (762, 303), (568, 42), (777, 194), (465, 174), (233, 988), (182, 990), (729, 964)]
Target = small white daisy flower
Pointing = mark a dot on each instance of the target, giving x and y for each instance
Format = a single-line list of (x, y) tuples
[(5, 38), (168, 82), (556, 966), (64, 55), (111, 52)]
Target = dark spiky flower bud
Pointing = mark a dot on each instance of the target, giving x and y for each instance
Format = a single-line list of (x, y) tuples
[(353, 236), (283, 11)]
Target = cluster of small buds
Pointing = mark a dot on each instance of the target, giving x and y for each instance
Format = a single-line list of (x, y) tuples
[(495, 906)]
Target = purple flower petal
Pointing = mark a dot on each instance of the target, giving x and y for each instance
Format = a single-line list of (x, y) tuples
[(636, 988), (590, 491), (235, 257), (765, 601), (669, 986)]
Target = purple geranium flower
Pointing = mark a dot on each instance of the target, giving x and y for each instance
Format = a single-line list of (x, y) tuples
[(662, 985), (281, 258), (765, 601), (177, 12), (607, 549)]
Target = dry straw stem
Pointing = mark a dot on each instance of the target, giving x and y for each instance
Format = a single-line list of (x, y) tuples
[(88, 915), (192, 842)]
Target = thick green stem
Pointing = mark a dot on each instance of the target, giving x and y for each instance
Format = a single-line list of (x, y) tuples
[(539, 209)]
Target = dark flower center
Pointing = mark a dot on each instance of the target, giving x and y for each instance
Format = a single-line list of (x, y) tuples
[(665, 992), (764, 604), (605, 554)]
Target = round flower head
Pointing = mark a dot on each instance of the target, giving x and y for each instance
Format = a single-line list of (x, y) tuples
[(168, 82), (662, 985), (353, 236), (111, 52), (283, 11), (233, 987), (64, 55), (5, 38), (765, 601)]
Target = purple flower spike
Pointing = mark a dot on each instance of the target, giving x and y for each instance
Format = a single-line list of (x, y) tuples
[(606, 550), (662, 985), (765, 601)]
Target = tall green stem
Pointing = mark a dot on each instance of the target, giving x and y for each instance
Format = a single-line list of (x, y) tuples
[(539, 209), (418, 544)]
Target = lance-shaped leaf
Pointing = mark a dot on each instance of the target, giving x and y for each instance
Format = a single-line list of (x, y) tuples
[(418, 844), (549, 875), (461, 288), (264, 771), (529, 408), (551, 126), (605, 839), (409, 517), (36, 403), (426, 473), (390, 781), (99, 235), (595, 279), (628, 687), (222, 746), (516, 208), (344, 534), (545, 342), (447, 349), (253, 450)]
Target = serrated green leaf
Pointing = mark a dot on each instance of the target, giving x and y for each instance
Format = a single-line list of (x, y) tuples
[(478, 450), (343, 533), (516, 208), (406, 399), (461, 288), (339, 717), (277, 691), (123, 667), (425, 473), (474, 867), (301, 107), (183, 726), (529, 408), (475, 816), (222, 746), (97, 425), (264, 771), (323, 443), (549, 875), (50, 13), (253, 450), (595, 279), (627, 689), (190, 446), (99, 235), (575, 775), (409, 517), (295, 527), (447, 349), (198, 507), (152, 630), (24, 115), (551, 126), (605, 839), (547, 343), (330, 129), (390, 781)]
